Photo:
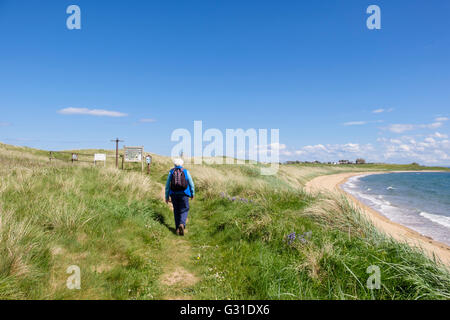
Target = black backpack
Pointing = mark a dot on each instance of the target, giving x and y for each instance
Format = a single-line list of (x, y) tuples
[(178, 182)]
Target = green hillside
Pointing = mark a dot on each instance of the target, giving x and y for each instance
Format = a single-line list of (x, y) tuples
[(114, 225)]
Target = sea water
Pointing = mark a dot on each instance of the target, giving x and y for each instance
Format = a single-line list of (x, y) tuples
[(418, 200)]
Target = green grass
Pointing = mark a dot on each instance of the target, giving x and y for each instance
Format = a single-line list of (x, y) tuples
[(116, 228), (246, 244), (54, 216)]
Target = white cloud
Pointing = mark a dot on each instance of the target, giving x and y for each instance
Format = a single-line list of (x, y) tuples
[(360, 123), (273, 147), (92, 112), (441, 119), (312, 149), (431, 149), (277, 146), (354, 123), (440, 135), (382, 110), (334, 152), (432, 126), (400, 128), (351, 147), (406, 149)]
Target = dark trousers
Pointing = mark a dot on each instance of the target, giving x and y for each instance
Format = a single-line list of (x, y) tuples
[(180, 204)]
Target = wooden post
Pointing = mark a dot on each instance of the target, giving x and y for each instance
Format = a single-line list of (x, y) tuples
[(142, 159), (117, 151)]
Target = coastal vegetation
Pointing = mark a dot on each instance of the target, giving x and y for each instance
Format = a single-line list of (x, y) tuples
[(249, 236)]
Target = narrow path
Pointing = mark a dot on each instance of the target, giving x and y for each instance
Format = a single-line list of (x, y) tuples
[(177, 281)]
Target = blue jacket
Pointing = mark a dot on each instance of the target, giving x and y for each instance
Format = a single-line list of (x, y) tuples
[(190, 190)]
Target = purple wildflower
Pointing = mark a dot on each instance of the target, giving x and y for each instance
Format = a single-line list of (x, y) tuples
[(303, 238), (291, 238)]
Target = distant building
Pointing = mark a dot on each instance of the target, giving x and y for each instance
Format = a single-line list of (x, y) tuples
[(344, 161), (360, 161)]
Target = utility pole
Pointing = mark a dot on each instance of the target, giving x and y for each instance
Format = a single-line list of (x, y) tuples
[(117, 150)]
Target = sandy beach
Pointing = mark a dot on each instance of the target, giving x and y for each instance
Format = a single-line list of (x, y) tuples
[(332, 183)]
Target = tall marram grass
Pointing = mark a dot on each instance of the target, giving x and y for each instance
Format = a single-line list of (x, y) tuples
[(250, 250), (54, 215), (407, 267), (115, 227)]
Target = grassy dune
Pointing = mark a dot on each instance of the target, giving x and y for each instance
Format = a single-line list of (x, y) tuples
[(115, 226)]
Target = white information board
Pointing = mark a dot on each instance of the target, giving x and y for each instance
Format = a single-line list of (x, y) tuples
[(134, 154), (99, 157)]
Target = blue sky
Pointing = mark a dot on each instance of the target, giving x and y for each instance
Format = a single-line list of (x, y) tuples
[(312, 69)]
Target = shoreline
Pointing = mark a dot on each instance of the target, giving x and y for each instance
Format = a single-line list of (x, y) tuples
[(334, 182)]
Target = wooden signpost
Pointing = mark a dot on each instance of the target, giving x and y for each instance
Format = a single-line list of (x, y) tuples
[(117, 141)]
